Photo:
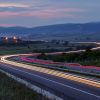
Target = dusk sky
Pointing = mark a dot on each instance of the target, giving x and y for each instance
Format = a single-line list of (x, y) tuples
[(33, 13)]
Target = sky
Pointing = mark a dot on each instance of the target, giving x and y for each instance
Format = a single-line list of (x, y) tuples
[(31, 13)]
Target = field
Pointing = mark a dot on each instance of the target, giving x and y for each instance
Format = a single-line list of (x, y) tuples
[(14, 50), (41, 47), (11, 90)]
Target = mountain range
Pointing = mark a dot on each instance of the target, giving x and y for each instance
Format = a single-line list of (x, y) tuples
[(70, 32)]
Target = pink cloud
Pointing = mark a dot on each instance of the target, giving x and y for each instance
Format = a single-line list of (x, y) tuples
[(53, 12), (50, 12), (48, 15), (7, 14), (54, 9), (7, 25)]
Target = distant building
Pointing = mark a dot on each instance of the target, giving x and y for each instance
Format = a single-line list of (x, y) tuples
[(14, 40), (7, 40)]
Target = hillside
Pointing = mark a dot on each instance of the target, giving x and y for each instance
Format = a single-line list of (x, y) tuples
[(74, 32)]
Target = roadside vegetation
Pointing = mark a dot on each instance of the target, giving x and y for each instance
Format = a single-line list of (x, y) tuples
[(85, 58), (12, 90)]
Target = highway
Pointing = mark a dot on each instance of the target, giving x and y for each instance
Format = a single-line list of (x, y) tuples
[(64, 85)]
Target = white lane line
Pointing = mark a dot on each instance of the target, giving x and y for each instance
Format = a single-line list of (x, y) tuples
[(74, 77), (57, 82)]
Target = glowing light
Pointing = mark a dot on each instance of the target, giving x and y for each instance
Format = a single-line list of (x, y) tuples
[(76, 78)]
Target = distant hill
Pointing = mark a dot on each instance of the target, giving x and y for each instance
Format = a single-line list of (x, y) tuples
[(71, 32)]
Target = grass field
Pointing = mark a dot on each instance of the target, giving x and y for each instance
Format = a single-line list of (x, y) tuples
[(39, 47), (11, 90), (14, 50)]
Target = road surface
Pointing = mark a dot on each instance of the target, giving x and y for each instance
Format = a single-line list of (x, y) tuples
[(68, 89)]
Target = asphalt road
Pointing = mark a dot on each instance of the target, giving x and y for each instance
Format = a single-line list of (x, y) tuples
[(66, 89)]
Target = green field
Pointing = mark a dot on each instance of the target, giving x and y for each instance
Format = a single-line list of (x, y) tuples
[(11, 90), (40, 47), (14, 50)]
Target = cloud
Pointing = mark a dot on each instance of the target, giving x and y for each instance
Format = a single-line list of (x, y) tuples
[(53, 12), (26, 12), (7, 25), (14, 5), (7, 14), (13, 9), (39, 9), (44, 13)]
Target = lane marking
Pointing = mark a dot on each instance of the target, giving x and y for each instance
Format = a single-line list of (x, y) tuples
[(67, 76), (85, 92)]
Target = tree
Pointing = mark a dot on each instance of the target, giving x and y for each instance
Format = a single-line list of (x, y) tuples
[(66, 43), (88, 49)]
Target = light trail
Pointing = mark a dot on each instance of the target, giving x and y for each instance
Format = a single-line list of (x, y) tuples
[(60, 74), (65, 85)]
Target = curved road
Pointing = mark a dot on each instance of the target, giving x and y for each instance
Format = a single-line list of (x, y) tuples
[(64, 85)]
